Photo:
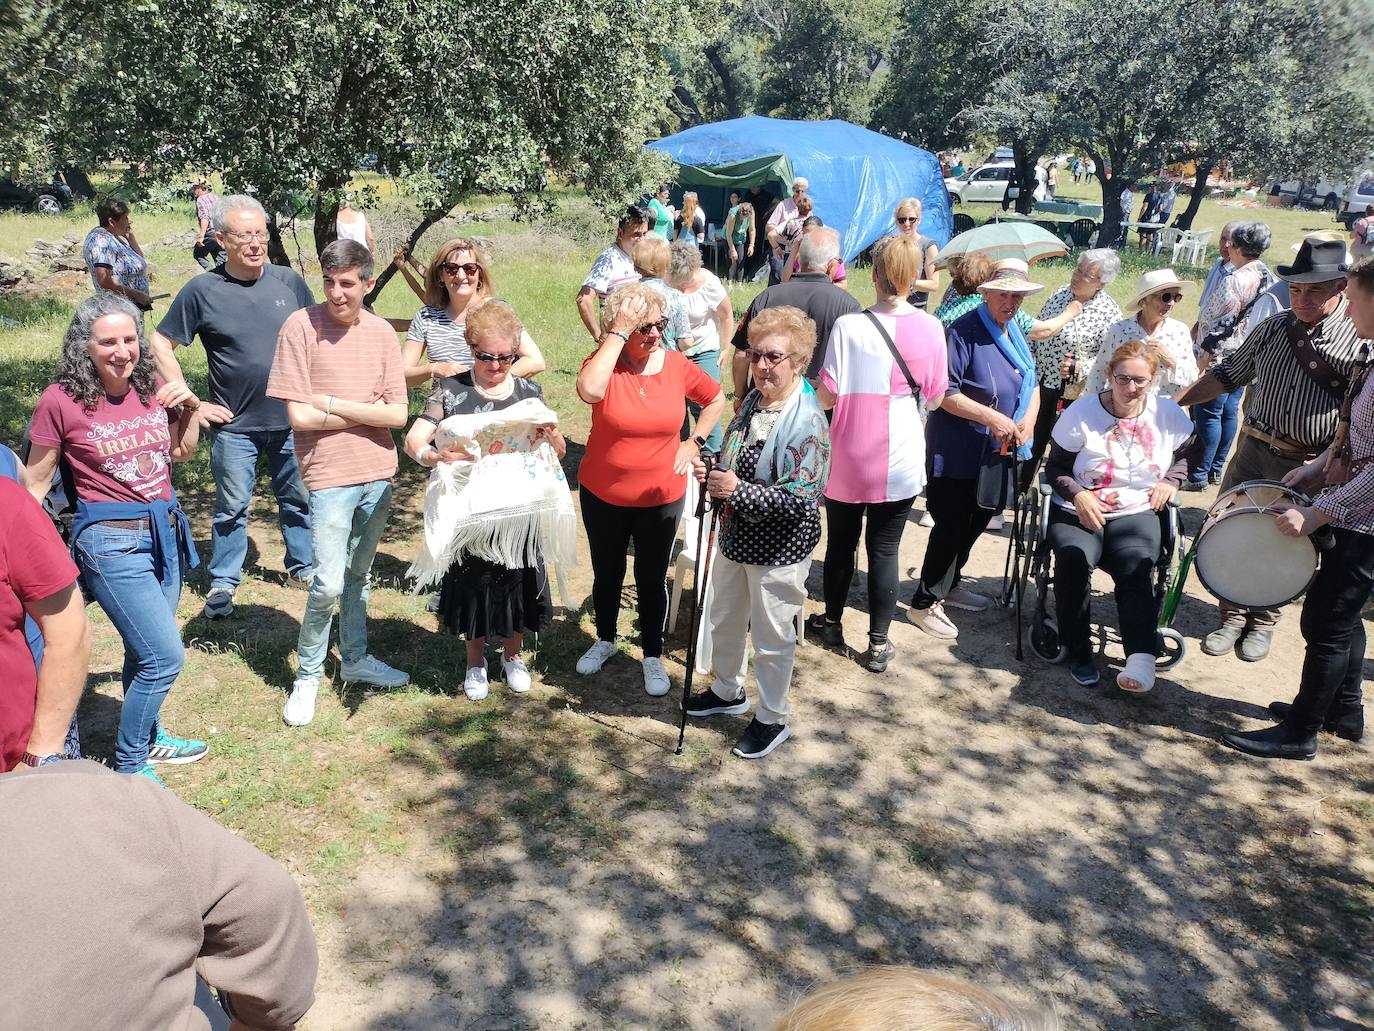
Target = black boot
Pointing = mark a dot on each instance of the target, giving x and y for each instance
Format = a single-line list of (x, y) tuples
[(1348, 725), (1275, 742)]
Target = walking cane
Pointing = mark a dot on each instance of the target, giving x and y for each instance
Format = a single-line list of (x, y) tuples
[(702, 578)]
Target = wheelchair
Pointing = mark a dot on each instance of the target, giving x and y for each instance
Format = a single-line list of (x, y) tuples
[(1029, 573)]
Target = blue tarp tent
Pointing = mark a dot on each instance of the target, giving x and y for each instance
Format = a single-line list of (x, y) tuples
[(857, 176)]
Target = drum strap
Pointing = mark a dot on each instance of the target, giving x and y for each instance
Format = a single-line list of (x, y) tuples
[(1313, 363)]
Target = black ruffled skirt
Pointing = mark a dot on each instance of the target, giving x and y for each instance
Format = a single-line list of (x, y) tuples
[(478, 598)]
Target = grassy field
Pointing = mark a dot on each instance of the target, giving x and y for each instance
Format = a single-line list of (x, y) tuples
[(512, 803)]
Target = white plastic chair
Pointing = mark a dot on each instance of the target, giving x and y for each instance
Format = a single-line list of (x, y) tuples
[(1197, 246), (1174, 241)]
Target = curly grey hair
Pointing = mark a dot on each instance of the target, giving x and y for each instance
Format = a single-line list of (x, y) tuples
[(235, 202), (1106, 259), (1251, 238), (76, 373), (683, 262)]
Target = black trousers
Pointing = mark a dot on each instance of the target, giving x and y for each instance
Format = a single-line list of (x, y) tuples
[(1127, 547), (610, 529), (882, 539), (1331, 625), (1044, 423), (959, 521)]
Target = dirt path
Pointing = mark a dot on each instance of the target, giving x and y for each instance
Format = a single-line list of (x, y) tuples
[(963, 811)]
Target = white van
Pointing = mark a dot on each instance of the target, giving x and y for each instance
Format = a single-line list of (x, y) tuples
[(1357, 198), (987, 184)]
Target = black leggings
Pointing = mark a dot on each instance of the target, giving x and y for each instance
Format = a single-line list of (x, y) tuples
[(1127, 548), (1044, 425), (882, 538), (959, 520), (610, 528)]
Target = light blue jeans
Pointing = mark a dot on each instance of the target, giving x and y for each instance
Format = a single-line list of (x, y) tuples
[(345, 527), (117, 565), (234, 465)]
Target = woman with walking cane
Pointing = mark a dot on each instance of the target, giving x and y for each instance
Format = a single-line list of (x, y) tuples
[(767, 491)]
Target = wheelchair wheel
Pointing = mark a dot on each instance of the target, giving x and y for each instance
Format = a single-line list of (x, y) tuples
[(1044, 641), (1170, 648)]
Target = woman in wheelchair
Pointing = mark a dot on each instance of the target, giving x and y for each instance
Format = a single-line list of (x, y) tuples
[(1116, 460)]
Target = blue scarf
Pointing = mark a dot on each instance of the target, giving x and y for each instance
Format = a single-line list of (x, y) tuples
[(1012, 344)]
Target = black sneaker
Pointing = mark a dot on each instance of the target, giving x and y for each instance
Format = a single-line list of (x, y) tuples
[(708, 703), (877, 657), (1084, 671), (760, 738), (831, 634)]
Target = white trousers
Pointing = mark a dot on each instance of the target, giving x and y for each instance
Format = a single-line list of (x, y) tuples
[(762, 601)]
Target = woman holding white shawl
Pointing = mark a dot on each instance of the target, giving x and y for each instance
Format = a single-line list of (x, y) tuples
[(769, 480), (479, 597), (988, 412)]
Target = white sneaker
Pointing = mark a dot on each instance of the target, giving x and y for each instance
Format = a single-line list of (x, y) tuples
[(926, 519), (475, 683), (934, 622), (299, 709), (996, 523), (969, 601), (372, 670), (517, 674), (595, 657), (656, 678)]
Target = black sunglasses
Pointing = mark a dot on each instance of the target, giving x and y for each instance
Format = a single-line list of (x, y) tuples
[(1172, 295), (484, 356), (907, 220), (661, 325), (468, 268)]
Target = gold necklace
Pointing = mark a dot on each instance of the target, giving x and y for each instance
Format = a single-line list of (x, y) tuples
[(637, 376)]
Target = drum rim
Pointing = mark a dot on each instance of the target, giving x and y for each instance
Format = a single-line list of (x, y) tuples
[(1298, 496), (1250, 510)]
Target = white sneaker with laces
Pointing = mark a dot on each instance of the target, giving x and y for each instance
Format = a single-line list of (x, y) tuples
[(517, 674), (656, 678), (934, 622), (926, 519), (595, 657), (299, 709), (475, 683), (969, 601), (372, 670)]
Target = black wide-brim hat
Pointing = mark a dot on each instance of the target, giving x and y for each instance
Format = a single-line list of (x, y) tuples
[(1319, 260)]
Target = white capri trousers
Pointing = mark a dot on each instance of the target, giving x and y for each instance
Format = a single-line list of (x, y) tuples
[(762, 601)]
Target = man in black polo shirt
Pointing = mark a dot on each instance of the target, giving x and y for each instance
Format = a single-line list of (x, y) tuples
[(810, 290)]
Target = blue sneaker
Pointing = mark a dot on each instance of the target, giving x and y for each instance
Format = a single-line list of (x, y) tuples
[(147, 771), (174, 750)]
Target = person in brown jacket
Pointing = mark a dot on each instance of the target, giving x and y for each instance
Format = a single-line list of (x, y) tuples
[(117, 895)]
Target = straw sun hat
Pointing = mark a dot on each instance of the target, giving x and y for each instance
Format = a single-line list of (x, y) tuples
[(1152, 283), (1011, 275)]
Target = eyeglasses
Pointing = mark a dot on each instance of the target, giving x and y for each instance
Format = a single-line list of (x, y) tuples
[(468, 268), (651, 327), (1172, 297), (483, 356), (907, 220), (1130, 381), (766, 357), (257, 236)]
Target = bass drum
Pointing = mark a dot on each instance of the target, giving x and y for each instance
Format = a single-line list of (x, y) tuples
[(1243, 559)]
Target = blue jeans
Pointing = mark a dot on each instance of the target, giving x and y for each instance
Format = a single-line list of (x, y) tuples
[(1215, 421), (118, 568), (346, 527), (234, 464), (709, 363)]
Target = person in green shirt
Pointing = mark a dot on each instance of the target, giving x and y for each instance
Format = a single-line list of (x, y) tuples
[(739, 236), (662, 213)]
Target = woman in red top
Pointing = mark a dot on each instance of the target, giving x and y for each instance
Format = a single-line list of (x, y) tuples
[(634, 474)]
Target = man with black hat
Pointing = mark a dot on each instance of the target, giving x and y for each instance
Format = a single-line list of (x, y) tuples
[(1298, 365), (1330, 696)]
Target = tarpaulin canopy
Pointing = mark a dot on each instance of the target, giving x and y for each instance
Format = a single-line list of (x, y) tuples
[(856, 176)]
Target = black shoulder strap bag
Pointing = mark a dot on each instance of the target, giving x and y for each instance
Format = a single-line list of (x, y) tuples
[(897, 357)]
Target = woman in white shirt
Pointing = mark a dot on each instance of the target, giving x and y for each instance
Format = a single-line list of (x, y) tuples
[(709, 312), (350, 224), (1117, 457), (1157, 295)]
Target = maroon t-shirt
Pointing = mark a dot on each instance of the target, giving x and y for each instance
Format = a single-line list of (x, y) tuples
[(121, 451), (34, 565)]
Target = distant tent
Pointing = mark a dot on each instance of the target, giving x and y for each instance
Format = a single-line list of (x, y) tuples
[(856, 176)]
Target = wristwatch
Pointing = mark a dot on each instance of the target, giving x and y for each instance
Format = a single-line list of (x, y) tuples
[(699, 441), (29, 759)]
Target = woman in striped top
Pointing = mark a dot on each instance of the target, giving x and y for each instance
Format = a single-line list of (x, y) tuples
[(457, 281)]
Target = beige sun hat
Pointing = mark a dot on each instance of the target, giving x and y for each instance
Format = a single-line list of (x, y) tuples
[(1153, 282), (1011, 275)]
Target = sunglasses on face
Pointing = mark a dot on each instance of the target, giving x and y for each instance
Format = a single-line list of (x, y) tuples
[(907, 220), (484, 356), (1172, 297), (468, 268), (769, 358), (653, 327)]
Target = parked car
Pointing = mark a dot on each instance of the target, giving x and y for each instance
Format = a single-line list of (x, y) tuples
[(988, 184), (46, 198)]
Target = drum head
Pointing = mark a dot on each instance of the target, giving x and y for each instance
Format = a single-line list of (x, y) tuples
[(1243, 559)]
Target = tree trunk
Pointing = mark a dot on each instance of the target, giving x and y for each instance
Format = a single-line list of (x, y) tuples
[(326, 225), (1025, 176), (276, 249), (430, 219), (1111, 200), (684, 106), (1185, 220), (79, 181), (728, 87)]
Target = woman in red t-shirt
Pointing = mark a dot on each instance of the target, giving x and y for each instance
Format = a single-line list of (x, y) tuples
[(119, 430), (634, 474)]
